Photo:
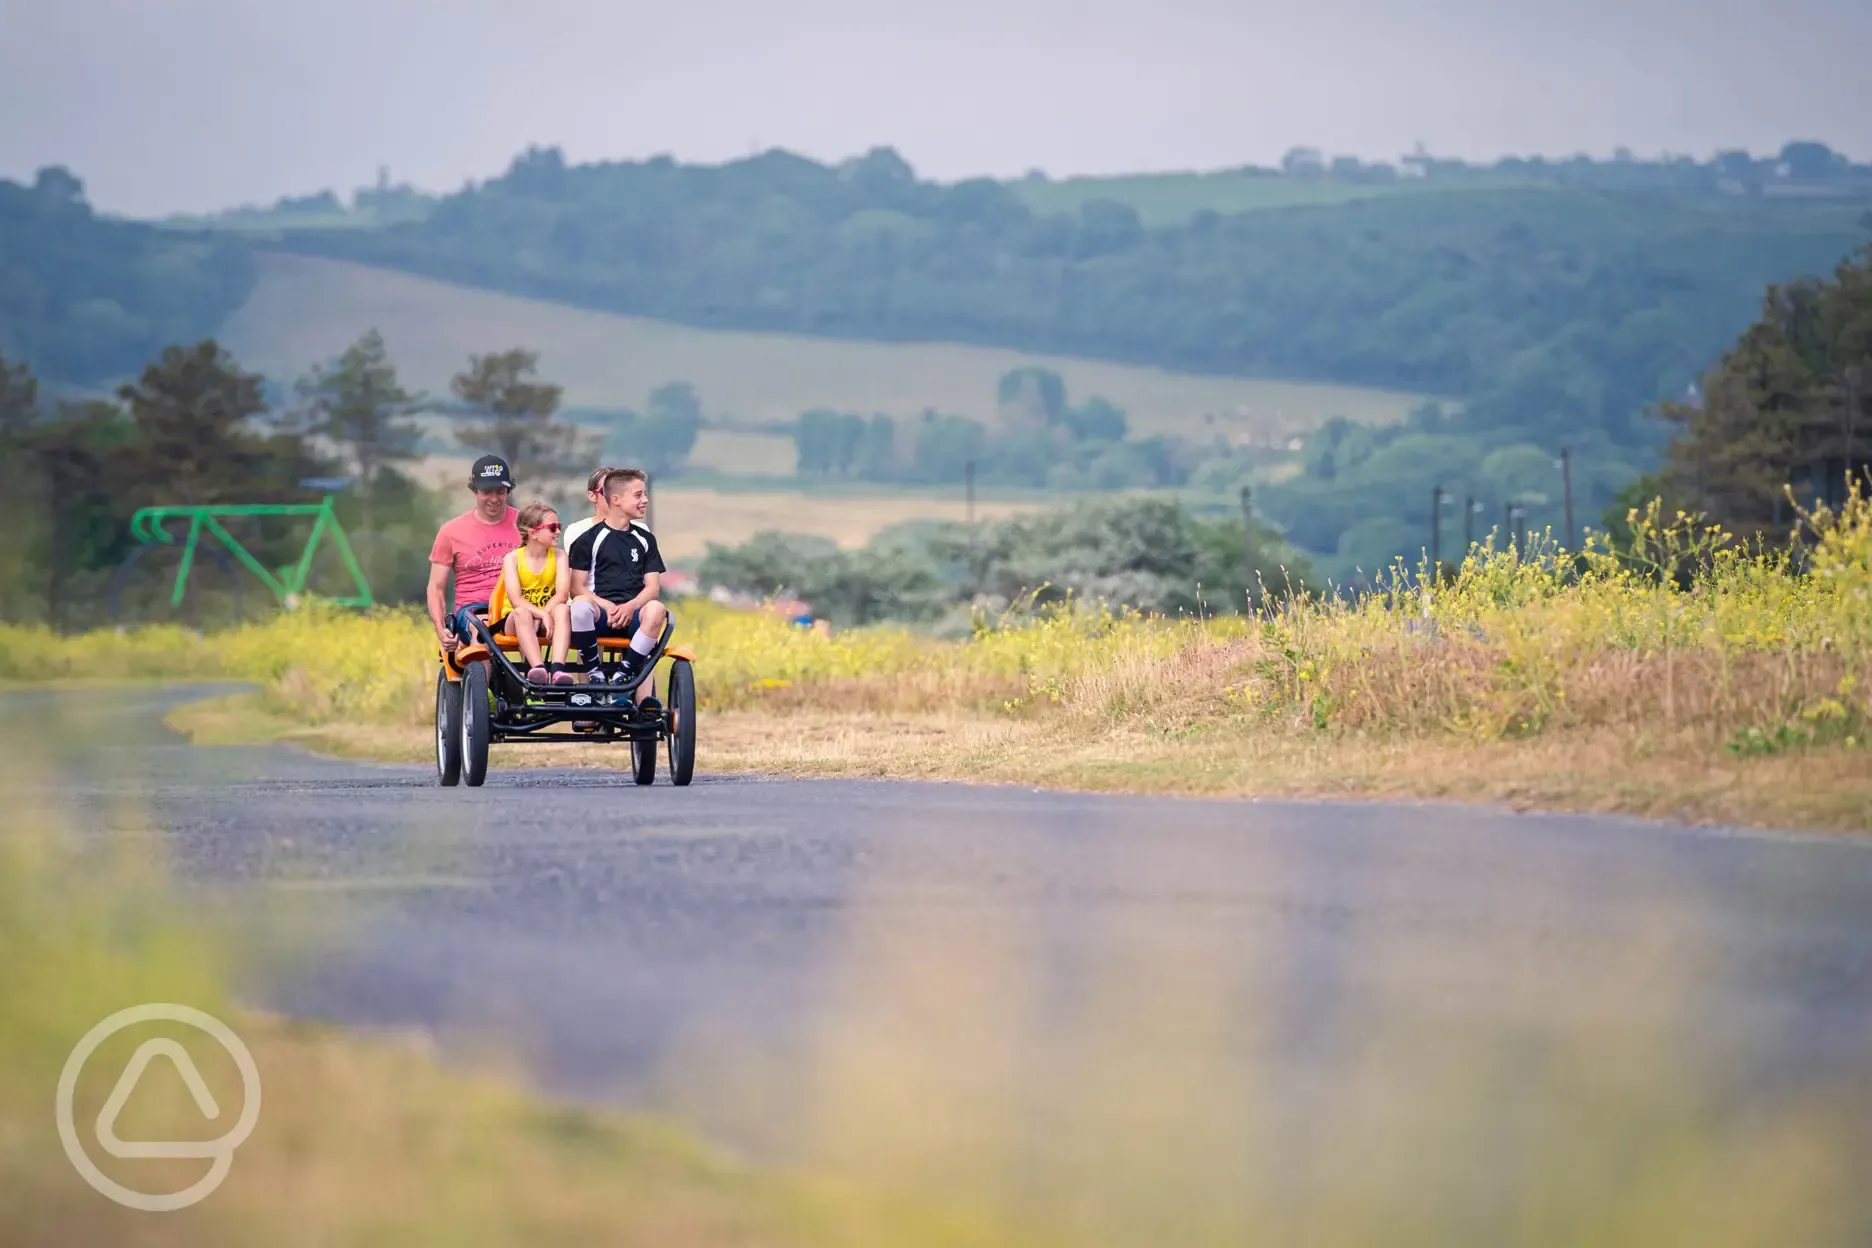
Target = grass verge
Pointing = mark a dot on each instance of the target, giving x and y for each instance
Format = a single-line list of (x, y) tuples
[(1687, 676), (1588, 772)]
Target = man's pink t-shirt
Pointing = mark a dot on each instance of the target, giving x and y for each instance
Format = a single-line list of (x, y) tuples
[(475, 548)]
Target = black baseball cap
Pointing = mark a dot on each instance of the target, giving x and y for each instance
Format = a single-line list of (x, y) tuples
[(490, 472)]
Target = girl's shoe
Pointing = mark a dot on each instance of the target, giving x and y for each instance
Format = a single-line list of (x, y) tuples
[(538, 676), (564, 678)]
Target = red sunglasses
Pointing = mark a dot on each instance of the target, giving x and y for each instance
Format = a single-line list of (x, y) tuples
[(548, 528)]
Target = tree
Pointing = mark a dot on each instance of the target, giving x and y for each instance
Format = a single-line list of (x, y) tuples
[(79, 457), (1032, 395), (58, 185), (359, 404), (517, 417), (877, 459), (944, 445), (191, 409), (1097, 420), (815, 440), (669, 428), (1808, 161), (19, 399), (1789, 404)]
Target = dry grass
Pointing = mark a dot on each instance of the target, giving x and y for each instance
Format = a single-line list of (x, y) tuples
[(742, 454), (306, 309)]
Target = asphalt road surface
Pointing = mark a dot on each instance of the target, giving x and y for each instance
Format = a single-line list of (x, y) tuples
[(777, 960)]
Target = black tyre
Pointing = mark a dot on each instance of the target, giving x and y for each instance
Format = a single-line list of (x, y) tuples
[(448, 730), (476, 726), (643, 760), (682, 731)]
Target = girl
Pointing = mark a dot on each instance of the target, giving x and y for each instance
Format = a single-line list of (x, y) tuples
[(531, 595)]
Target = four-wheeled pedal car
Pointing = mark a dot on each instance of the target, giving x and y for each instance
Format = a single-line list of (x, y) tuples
[(482, 698)]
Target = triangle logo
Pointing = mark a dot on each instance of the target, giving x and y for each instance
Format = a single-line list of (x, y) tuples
[(178, 1057)]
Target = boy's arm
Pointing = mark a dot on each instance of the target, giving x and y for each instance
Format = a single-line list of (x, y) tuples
[(653, 584), (623, 611), (580, 578), (582, 592)]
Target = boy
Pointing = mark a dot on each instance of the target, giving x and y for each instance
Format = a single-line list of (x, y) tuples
[(472, 546), (594, 493), (616, 569)]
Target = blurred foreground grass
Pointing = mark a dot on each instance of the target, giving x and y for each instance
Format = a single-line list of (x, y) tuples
[(1692, 674), (959, 1091), (360, 1140)]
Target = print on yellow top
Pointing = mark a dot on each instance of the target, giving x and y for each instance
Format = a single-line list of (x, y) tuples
[(535, 587)]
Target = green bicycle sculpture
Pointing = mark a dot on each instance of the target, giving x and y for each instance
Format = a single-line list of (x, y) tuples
[(288, 583)]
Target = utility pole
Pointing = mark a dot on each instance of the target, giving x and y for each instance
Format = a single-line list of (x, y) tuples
[(1436, 533), (1852, 420), (1566, 479), (1248, 551), (1469, 512), (1516, 536)]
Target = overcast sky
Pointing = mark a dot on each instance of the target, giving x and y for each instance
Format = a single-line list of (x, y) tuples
[(174, 105)]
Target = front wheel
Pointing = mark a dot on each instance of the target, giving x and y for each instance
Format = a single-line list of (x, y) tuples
[(448, 730), (643, 760), (682, 729), (476, 725)]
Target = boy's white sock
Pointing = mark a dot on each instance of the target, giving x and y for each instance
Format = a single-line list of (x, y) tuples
[(643, 642)]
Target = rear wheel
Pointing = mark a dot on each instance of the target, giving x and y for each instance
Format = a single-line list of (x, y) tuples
[(476, 724), (448, 730), (682, 728)]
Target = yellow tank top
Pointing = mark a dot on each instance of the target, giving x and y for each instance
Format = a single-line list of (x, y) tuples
[(536, 587)]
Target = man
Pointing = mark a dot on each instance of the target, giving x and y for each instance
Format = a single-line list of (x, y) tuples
[(594, 493), (616, 569), (472, 546)]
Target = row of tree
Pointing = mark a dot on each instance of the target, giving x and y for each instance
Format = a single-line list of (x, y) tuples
[(194, 428), (1038, 440)]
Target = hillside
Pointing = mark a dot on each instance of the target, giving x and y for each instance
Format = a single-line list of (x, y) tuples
[(303, 309), (87, 300), (1549, 308)]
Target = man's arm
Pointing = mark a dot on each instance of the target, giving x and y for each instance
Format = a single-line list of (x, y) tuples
[(438, 605)]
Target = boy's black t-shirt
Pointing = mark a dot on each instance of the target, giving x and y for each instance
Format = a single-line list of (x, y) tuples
[(618, 560)]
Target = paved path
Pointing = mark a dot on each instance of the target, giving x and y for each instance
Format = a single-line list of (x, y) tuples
[(751, 953)]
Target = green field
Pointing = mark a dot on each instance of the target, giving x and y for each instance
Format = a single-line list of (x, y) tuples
[(1169, 198), (304, 310)]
